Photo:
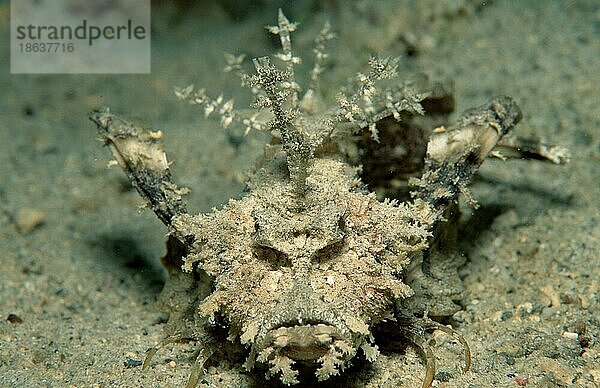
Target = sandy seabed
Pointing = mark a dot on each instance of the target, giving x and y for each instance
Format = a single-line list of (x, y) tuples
[(79, 268)]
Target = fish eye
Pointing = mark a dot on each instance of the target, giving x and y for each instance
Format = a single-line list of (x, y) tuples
[(330, 251), (274, 257)]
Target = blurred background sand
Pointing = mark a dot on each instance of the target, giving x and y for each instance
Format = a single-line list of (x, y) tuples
[(79, 266)]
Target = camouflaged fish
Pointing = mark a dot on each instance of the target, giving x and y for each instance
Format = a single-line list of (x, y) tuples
[(309, 266)]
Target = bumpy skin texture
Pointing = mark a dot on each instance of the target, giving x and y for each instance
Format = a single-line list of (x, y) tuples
[(331, 265), (309, 264)]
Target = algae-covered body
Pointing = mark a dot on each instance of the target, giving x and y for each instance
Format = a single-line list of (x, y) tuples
[(308, 267)]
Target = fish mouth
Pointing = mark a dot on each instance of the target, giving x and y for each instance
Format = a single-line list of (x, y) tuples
[(322, 347), (305, 331), (302, 342)]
